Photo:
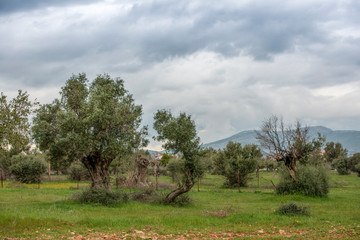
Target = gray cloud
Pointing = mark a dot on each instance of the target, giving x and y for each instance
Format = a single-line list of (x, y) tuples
[(11, 6), (229, 63)]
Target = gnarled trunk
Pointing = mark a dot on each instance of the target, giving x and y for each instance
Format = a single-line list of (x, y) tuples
[(182, 189), (139, 176), (289, 160), (99, 172)]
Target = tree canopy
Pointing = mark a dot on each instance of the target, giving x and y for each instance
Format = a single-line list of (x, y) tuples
[(14, 123), (14, 128), (333, 151), (236, 162), (93, 123)]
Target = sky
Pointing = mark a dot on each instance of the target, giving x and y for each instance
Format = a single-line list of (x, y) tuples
[(229, 64)]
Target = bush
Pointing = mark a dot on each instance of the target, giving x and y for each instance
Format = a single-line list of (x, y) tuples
[(180, 201), (147, 195), (354, 163), (342, 165), (28, 168), (292, 209), (357, 169), (102, 196), (310, 181)]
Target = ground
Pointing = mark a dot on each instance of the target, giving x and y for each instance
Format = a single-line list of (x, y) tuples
[(27, 212)]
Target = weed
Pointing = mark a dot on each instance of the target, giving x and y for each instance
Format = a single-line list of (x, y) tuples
[(291, 209)]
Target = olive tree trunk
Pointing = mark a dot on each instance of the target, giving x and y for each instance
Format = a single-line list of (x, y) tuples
[(182, 189), (2, 177), (139, 176), (99, 172)]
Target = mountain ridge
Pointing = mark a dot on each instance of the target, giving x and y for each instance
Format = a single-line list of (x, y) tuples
[(350, 139)]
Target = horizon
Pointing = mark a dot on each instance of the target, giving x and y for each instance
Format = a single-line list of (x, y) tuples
[(228, 64)]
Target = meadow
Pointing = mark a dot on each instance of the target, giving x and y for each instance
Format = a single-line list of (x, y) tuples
[(215, 212)]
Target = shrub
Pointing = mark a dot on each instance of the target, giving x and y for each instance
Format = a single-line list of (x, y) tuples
[(28, 168), (291, 209), (180, 201), (342, 165), (147, 195), (357, 169), (310, 181), (354, 163), (102, 196)]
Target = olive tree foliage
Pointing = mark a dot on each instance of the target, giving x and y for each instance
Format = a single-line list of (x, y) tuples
[(354, 163), (208, 157), (288, 144), (334, 151), (342, 165), (93, 123), (14, 127), (179, 136), (28, 168), (236, 163)]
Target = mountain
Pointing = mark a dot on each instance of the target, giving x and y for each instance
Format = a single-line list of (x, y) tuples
[(350, 139)]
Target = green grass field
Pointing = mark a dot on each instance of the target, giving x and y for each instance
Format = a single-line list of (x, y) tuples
[(49, 213)]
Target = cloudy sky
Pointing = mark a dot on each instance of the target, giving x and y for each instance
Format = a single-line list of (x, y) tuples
[(230, 64)]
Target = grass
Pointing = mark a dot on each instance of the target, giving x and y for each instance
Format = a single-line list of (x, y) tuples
[(48, 212)]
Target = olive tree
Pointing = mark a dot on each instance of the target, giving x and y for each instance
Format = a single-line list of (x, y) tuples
[(14, 128), (238, 162), (288, 144), (92, 123), (333, 151), (292, 145), (180, 137)]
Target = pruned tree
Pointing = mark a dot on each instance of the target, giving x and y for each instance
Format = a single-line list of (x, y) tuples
[(180, 137), (288, 144), (155, 164), (139, 175), (93, 123)]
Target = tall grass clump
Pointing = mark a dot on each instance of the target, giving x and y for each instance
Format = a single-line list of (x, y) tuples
[(310, 181), (291, 209)]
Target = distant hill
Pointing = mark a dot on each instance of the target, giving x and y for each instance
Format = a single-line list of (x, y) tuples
[(350, 139)]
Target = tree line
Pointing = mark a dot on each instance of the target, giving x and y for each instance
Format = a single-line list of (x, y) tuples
[(97, 126)]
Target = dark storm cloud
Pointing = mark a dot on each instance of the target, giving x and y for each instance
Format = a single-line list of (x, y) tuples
[(228, 63), (11, 6), (259, 30), (152, 31)]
